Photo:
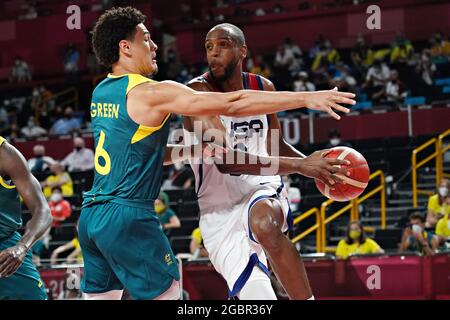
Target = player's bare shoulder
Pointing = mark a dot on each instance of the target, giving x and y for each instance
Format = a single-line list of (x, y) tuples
[(200, 84), (267, 84)]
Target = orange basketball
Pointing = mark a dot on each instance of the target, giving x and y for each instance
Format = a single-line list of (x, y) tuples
[(355, 183)]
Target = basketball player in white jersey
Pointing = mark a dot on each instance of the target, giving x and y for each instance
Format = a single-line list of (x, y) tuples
[(243, 215)]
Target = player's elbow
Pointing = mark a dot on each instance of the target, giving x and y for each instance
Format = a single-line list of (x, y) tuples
[(236, 108)]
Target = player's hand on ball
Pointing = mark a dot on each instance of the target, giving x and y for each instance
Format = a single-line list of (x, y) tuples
[(11, 259), (329, 101), (317, 167)]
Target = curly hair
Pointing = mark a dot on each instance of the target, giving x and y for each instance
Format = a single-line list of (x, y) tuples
[(113, 26)]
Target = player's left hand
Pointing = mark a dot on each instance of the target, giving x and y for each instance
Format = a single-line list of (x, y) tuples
[(11, 259), (329, 101)]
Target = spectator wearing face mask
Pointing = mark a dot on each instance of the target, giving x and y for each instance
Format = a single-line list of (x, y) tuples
[(60, 208), (58, 178), (437, 206), (80, 159), (334, 137), (356, 242), (416, 239), (443, 226), (32, 130), (66, 125), (167, 217), (40, 163)]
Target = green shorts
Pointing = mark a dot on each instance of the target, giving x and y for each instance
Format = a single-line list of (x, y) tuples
[(25, 283), (124, 246)]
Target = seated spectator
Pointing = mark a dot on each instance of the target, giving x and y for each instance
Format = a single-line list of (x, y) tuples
[(74, 257), (290, 45), (443, 226), (80, 159), (59, 208), (416, 239), (302, 83), (32, 130), (437, 206), (440, 49), (167, 217), (20, 71), (327, 56), (426, 68), (356, 243), (260, 67), (402, 50), (14, 132), (284, 58), (362, 55), (334, 137), (376, 79), (395, 89), (4, 118), (40, 163), (342, 78), (58, 178), (66, 125), (71, 59), (196, 246)]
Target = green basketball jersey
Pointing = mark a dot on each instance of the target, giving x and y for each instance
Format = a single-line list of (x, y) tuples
[(128, 156), (10, 207)]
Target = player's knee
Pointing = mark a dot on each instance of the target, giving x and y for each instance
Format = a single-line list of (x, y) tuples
[(264, 225)]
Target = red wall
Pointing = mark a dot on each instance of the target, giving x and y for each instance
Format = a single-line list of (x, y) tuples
[(41, 42), (409, 277)]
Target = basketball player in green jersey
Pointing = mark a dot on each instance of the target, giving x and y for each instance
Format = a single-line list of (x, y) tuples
[(119, 233), (19, 278)]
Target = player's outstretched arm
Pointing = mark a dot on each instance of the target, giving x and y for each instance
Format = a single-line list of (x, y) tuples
[(314, 166), (13, 164), (169, 96)]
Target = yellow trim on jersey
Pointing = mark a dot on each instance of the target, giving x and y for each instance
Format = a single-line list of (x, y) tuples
[(134, 79), (5, 185), (144, 131), (2, 140)]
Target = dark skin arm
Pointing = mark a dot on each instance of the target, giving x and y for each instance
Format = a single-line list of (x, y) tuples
[(13, 164), (314, 166), (285, 149)]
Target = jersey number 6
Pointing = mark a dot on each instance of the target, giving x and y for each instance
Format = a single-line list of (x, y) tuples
[(100, 152)]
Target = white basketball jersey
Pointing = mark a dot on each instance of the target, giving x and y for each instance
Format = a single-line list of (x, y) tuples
[(217, 191)]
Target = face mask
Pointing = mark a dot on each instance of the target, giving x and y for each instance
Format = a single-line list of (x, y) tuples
[(443, 191), (416, 228), (78, 148), (355, 234), (335, 141), (56, 197), (159, 208)]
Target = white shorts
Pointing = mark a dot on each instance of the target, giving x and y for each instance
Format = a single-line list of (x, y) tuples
[(230, 243)]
